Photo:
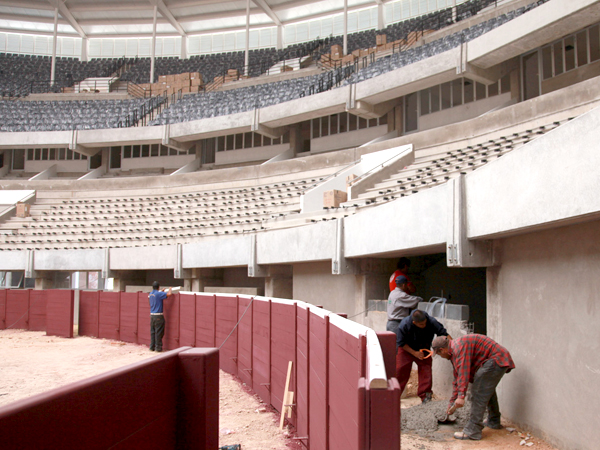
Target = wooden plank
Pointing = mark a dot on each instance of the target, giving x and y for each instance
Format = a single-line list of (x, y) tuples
[(288, 398)]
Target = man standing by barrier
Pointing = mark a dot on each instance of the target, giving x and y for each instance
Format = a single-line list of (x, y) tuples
[(482, 361), (157, 317), (415, 334)]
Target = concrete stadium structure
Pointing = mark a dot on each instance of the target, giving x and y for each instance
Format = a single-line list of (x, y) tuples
[(478, 162)]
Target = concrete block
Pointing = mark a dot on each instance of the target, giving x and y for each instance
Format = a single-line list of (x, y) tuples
[(452, 312)]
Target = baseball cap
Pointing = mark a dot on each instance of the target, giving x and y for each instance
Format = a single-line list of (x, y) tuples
[(401, 279)]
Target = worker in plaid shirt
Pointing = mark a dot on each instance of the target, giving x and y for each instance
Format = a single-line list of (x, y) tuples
[(480, 360)]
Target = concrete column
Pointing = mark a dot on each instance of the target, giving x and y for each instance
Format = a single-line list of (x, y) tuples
[(205, 277), (280, 43), (380, 16), (153, 51), (85, 44), (54, 42), (183, 47), (279, 283), (453, 10), (345, 27), (247, 53), (515, 84), (43, 281)]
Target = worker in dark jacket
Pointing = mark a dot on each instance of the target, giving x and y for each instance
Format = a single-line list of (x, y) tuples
[(415, 333)]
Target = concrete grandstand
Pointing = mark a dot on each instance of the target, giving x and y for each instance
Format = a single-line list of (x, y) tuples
[(467, 143)]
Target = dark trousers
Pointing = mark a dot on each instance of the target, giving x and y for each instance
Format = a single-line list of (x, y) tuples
[(483, 397), (404, 361), (157, 331)]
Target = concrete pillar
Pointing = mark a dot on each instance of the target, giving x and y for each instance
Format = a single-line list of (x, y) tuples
[(205, 277), (54, 42), (280, 43), (85, 44), (153, 51), (279, 283), (380, 16), (345, 27), (247, 52), (183, 47), (453, 10), (43, 281)]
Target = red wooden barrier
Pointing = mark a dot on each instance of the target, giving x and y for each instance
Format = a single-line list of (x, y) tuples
[(383, 409), (206, 320), (283, 350), (261, 350), (129, 317), (302, 370), (245, 334), (109, 308), (169, 402), (3, 323), (226, 333), (17, 309), (187, 320), (143, 319), (318, 386), (171, 309), (345, 371), (60, 310), (88, 313), (37, 310)]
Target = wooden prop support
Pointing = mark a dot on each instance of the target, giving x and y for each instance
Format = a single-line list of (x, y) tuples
[(288, 398)]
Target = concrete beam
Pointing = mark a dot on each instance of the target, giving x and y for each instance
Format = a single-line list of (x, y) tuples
[(270, 132), (462, 252), (254, 269), (339, 264)]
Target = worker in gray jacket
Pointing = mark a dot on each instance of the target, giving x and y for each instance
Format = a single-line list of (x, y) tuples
[(400, 303)]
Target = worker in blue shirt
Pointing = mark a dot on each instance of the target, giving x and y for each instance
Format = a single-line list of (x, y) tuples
[(157, 317), (415, 334)]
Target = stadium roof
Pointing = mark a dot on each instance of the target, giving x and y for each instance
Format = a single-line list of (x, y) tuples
[(129, 18)]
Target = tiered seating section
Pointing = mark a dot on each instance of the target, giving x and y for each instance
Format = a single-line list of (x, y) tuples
[(65, 115), (101, 221), (229, 102), (108, 220), (22, 74), (52, 116)]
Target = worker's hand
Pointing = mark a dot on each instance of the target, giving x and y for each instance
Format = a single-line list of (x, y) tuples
[(419, 355), (460, 402)]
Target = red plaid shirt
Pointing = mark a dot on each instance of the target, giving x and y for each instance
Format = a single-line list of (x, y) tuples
[(468, 353)]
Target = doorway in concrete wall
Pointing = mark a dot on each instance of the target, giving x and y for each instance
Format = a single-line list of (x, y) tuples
[(433, 278)]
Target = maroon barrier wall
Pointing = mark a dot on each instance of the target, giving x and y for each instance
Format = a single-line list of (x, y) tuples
[(330, 411), (51, 311), (169, 402), (3, 323)]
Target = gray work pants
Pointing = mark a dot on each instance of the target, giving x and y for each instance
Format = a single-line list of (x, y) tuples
[(483, 397)]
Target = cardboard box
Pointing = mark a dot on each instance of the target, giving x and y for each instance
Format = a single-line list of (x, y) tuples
[(356, 53), (381, 39), (380, 48), (337, 49), (170, 79), (349, 179), (184, 76), (348, 59), (23, 209), (162, 79), (333, 198), (196, 82), (286, 69)]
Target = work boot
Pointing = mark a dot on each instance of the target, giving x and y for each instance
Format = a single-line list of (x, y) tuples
[(427, 398), (493, 426)]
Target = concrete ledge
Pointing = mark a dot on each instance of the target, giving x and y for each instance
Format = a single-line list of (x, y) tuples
[(452, 312)]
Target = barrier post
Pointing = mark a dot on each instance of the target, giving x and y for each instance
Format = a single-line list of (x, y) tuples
[(383, 407), (198, 402), (387, 341)]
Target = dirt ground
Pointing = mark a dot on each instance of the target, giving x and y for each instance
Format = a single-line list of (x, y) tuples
[(32, 363)]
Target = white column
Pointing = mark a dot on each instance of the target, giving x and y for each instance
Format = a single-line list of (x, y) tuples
[(453, 10), (153, 53), (54, 41), (183, 47), (380, 16), (279, 37), (247, 54), (345, 27), (85, 43)]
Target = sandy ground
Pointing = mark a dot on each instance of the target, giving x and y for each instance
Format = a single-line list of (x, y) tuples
[(32, 363)]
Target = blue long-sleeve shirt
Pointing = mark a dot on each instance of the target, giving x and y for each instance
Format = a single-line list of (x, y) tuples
[(419, 338)]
